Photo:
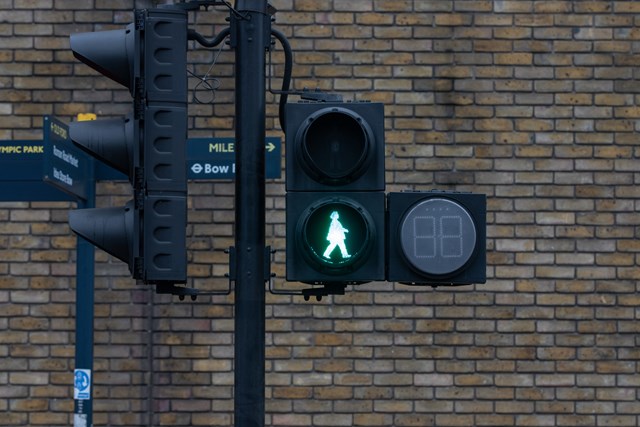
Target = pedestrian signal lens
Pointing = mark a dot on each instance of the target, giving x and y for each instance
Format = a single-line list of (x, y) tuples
[(335, 146), (335, 234)]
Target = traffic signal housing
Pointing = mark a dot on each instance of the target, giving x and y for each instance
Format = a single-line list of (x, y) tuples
[(436, 238), (335, 146), (335, 192), (149, 145)]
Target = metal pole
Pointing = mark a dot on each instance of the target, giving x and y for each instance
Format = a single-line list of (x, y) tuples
[(85, 268), (250, 36)]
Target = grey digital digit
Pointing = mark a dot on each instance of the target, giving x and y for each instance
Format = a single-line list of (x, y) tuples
[(424, 240), (452, 239), (437, 236)]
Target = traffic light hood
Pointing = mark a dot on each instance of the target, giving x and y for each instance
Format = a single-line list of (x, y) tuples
[(111, 53)]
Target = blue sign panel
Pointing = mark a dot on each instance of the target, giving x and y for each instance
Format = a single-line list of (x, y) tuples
[(56, 160), (65, 166), (214, 158), (211, 159), (21, 173)]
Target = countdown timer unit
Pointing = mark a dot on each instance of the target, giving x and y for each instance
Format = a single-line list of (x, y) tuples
[(436, 238)]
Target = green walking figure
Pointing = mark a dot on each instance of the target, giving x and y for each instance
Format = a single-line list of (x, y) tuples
[(336, 237)]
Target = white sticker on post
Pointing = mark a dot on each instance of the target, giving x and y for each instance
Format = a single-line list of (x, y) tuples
[(82, 384)]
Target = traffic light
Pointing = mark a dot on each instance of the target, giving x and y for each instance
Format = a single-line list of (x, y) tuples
[(149, 145), (436, 238), (335, 192)]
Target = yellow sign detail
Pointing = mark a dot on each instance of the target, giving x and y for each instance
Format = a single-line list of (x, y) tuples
[(85, 117), (222, 147), (21, 149), (58, 130)]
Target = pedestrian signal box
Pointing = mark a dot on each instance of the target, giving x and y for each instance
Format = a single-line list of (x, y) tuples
[(335, 192)]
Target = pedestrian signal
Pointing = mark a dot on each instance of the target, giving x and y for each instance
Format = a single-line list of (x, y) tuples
[(336, 235), (335, 192)]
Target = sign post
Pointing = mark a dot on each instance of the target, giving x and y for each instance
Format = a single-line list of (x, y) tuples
[(54, 170), (69, 169), (83, 378), (250, 29)]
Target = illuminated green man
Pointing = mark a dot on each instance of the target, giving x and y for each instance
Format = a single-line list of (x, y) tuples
[(336, 237)]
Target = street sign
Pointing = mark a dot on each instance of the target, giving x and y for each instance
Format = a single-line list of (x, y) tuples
[(210, 159), (24, 162), (21, 173), (65, 166), (214, 158)]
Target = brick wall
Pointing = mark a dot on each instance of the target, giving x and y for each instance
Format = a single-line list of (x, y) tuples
[(534, 103)]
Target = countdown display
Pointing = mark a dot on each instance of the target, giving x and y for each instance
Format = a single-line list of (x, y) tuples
[(437, 238)]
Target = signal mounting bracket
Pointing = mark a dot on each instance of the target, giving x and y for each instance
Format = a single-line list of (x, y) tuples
[(180, 291), (197, 4), (318, 96), (327, 289)]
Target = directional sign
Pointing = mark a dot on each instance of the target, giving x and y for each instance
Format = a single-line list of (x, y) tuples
[(21, 173), (214, 158), (65, 166), (26, 164)]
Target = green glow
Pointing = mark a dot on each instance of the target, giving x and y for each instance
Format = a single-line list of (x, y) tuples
[(335, 234), (336, 237)]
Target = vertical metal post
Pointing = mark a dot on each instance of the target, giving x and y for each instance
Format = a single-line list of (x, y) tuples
[(85, 269), (250, 36)]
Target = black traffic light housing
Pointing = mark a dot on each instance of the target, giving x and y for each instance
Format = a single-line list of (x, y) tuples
[(335, 192), (149, 145), (336, 146), (436, 238)]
